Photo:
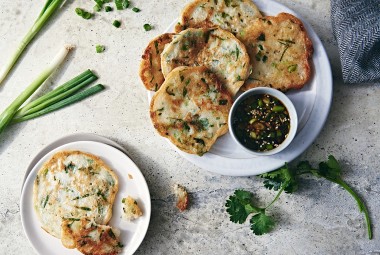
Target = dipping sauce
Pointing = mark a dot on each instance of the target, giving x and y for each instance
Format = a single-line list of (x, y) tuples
[(261, 122)]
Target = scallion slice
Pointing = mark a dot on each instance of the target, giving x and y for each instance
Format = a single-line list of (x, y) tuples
[(100, 48), (116, 23), (135, 9), (147, 27), (119, 4), (84, 14), (126, 4)]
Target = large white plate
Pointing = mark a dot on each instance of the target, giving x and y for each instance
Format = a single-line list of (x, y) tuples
[(312, 104), (132, 233)]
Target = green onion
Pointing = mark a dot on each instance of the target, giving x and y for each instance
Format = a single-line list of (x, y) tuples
[(108, 8), (84, 14), (126, 4), (10, 111), (61, 92), (97, 8), (147, 27), (119, 4), (100, 48), (116, 23), (135, 9), (65, 102), (49, 8), (99, 3)]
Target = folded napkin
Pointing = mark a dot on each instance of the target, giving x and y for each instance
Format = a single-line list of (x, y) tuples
[(356, 26)]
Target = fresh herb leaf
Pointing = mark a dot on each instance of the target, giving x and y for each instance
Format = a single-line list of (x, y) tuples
[(261, 223), (119, 4), (240, 206), (281, 178), (82, 13), (97, 8), (126, 4), (100, 48), (99, 3), (147, 27), (116, 23)]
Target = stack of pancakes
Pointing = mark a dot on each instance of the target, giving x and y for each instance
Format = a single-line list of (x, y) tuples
[(219, 47)]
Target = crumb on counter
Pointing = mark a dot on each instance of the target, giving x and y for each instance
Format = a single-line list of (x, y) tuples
[(182, 197)]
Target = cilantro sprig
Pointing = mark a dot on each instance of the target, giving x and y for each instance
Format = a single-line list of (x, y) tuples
[(240, 205)]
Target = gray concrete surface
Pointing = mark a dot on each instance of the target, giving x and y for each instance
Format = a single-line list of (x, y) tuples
[(318, 219)]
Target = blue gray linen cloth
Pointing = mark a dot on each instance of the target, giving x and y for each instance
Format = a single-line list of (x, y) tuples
[(356, 26)]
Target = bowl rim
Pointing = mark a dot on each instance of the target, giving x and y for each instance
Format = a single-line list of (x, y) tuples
[(287, 103)]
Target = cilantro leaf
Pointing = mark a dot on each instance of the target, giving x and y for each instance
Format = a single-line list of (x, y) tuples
[(239, 206), (261, 223), (282, 177), (330, 169)]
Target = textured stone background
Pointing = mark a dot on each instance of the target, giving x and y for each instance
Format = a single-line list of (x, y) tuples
[(318, 219)]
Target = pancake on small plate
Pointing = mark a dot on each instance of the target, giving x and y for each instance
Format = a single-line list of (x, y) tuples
[(191, 109), (150, 65), (72, 185), (214, 48), (90, 238), (280, 52)]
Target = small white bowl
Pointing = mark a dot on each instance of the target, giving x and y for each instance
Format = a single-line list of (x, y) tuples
[(286, 102)]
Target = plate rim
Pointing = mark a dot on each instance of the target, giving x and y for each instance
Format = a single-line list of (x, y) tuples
[(147, 204), (302, 140)]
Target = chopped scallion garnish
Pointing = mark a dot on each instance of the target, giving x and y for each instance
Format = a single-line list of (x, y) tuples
[(84, 14), (135, 9), (116, 23), (119, 4), (100, 48), (108, 8), (126, 4), (97, 8), (147, 27)]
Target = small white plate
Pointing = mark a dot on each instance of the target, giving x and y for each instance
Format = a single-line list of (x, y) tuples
[(312, 104), (132, 233)]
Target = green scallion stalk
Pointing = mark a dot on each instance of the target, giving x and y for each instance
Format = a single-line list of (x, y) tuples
[(49, 8), (10, 111), (65, 102), (65, 90)]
